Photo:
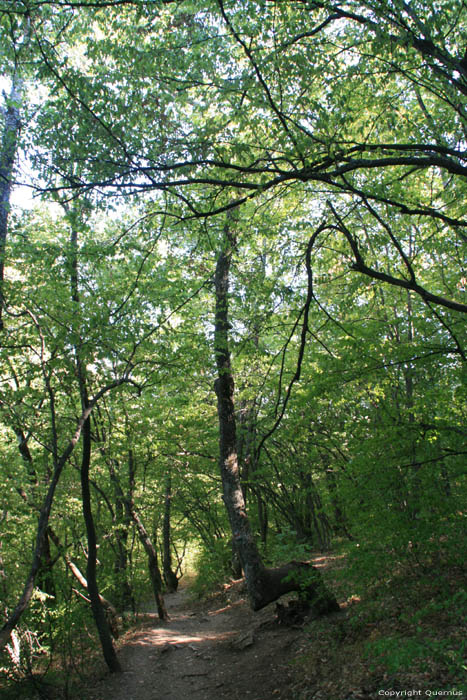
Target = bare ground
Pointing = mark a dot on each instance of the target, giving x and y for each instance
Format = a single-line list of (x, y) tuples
[(223, 650)]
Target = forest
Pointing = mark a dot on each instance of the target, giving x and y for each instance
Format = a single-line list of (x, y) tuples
[(233, 282)]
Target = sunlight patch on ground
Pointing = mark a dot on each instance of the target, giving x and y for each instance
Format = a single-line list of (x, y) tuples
[(236, 603), (323, 561), (165, 635)]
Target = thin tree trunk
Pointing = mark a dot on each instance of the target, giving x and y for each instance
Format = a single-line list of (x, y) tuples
[(153, 564), (171, 581), (103, 630), (415, 487), (124, 594), (340, 521), (91, 568), (44, 575), (263, 519), (263, 585), (42, 526), (145, 539), (107, 605), (122, 522)]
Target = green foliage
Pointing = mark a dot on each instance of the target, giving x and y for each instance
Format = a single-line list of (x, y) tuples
[(403, 653), (414, 624), (284, 546), (337, 138), (213, 565)]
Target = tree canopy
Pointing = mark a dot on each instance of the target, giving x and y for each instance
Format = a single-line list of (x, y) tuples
[(263, 200)]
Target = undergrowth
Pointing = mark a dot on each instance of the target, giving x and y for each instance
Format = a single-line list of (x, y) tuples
[(406, 632)]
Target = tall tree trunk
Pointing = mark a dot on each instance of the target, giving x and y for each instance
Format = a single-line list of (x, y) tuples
[(171, 580), (414, 488), (255, 572), (123, 594), (312, 516), (263, 520), (145, 539), (45, 580), (9, 146), (91, 570), (263, 585), (100, 619)]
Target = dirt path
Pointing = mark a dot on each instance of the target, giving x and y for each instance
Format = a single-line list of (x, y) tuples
[(222, 651)]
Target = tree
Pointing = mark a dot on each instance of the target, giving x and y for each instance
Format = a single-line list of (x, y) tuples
[(17, 38), (372, 140), (334, 135), (264, 586), (56, 342)]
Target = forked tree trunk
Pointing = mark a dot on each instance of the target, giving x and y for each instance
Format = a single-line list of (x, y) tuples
[(263, 585)]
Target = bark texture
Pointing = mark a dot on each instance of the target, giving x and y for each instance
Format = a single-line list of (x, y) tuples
[(263, 585), (91, 569)]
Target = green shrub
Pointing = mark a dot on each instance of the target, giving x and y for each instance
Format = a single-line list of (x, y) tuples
[(212, 566), (285, 546), (399, 653)]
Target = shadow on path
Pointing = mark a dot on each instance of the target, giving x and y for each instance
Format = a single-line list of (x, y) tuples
[(223, 651)]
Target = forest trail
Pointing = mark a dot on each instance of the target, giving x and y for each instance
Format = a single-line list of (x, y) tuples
[(222, 650)]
